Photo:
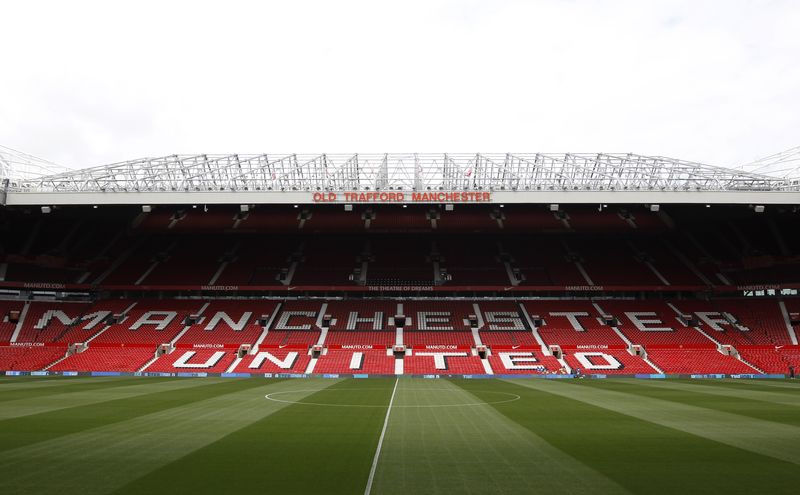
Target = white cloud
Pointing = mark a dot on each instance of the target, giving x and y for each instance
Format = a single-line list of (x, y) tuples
[(86, 83)]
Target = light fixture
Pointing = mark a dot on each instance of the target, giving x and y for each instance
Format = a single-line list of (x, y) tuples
[(46, 209), (655, 207), (147, 208), (554, 207), (759, 208)]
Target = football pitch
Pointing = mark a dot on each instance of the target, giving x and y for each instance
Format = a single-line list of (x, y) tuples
[(134, 435)]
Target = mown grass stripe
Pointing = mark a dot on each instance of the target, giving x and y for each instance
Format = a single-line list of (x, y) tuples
[(723, 402), (47, 389), (27, 430), (299, 449), (53, 381), (642, 456), (10, 382), (55, 401), (775, 440), (751, 391), (781, 408), (778, 386), (103, 459), (6, 381), (472, 449)]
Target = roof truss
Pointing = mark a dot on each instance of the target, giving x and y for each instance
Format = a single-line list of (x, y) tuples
[(412, 171)]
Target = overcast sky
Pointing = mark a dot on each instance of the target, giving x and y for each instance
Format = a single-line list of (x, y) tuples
[(88, 83)]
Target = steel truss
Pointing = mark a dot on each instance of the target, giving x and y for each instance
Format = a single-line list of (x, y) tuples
[(17, 167), (785, 164), (406, 172)]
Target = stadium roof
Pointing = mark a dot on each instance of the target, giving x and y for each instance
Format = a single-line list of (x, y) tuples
[(785, 164), (19, 166), (298, 178)]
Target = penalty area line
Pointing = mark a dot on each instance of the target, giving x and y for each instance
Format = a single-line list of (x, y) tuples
[(368, 489)]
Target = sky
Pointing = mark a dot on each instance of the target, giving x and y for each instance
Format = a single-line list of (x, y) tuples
[(91, 83)]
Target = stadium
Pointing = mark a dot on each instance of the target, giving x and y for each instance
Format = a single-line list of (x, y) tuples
[(399, 323)]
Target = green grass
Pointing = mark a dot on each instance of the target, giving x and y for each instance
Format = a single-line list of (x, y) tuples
[(212, 435)]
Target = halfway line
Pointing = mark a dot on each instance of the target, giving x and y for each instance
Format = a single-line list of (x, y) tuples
[(380, 441)]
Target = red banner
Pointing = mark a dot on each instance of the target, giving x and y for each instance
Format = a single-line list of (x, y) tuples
[(771, 347), (288, 347), (137, 345), (207, 346), (440, 347), (36, 344), (400, 288), (357, 347), (402, 197), (523, 348), (680, 346), (593, 347)]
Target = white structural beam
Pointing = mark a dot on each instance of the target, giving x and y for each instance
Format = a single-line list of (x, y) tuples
[(496, 197)]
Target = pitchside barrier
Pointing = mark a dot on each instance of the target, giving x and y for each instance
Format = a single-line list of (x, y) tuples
[(363, 375)]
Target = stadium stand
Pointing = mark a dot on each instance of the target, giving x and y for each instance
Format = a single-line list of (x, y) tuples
[(297, 325), (767, 358), (523, 361), (544, 261), (399, 261), (411, 219), (107, 358), (195, 266), (356, 360), (607, 362), (728, 336), (29, 358), (151, 322), (735, 322), (503, 288), (216, 360), (362, 322), (504, 325), (67, 322), (611, 261), (275, 360), (652, 323), (229, 322), (573, 323), (260, 261), (479, 265), (442, 361), (9, 311), (328, 263), (694, 361), (434, 323)]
